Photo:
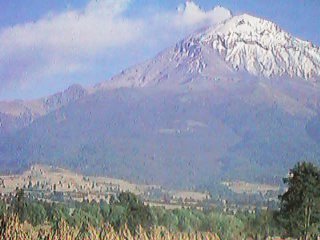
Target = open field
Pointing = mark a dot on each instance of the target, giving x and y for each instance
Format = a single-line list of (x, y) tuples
[(241, 187), (45, 181)]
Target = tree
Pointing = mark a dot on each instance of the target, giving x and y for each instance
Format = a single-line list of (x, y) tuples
[(183, 216), (3, 208), (18, 205), (105, 210), (136, 213), (260, 224), (226, 226), (300, 204), (117, 216), (170, 221), (35, 213)]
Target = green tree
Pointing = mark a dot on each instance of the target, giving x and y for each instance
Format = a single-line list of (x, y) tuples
[(226, 226), (117, 216), (105, 210), (170, 220), (136, 212), (184, 216), (35, 213), (86, 213), (3, 208), (57, 211), (259, 225), (18, 205), (300, 204)]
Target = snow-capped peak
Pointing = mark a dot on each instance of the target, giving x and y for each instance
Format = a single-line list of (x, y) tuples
[(257, 46)]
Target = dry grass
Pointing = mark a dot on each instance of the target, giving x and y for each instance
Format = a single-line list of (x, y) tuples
[(12, 229), (70, 182), (241, 187)]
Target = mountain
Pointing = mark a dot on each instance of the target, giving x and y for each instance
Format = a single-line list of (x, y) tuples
[(239, 100), (247, 44), (17, 114), (261, 48)]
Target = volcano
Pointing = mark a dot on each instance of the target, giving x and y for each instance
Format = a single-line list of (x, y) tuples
[(236, 101)]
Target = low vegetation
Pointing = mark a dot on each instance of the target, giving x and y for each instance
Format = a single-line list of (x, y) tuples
[(127, 213), (12, 229), (125, 216), (300, 204)]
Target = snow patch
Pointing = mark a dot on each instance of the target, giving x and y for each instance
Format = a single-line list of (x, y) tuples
[(255, 45)]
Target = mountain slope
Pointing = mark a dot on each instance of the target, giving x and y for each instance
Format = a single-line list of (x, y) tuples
[(179, 139), (18, 114)]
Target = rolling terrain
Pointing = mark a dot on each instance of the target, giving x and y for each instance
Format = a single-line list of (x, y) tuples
[(49, 183)]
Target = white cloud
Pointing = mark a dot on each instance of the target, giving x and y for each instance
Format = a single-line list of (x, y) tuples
[(61, 43), (191, 14), (68, 43), (99, 26)]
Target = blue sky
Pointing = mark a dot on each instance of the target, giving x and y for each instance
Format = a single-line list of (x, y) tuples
[(45, 46)]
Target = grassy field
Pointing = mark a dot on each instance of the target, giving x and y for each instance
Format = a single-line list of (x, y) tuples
[(241, 187)]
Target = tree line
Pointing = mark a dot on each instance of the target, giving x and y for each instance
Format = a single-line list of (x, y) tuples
[(298, 214)]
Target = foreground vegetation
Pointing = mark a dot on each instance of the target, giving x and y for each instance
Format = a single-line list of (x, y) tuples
[(125, 214), (127, 217), (12, 229)]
